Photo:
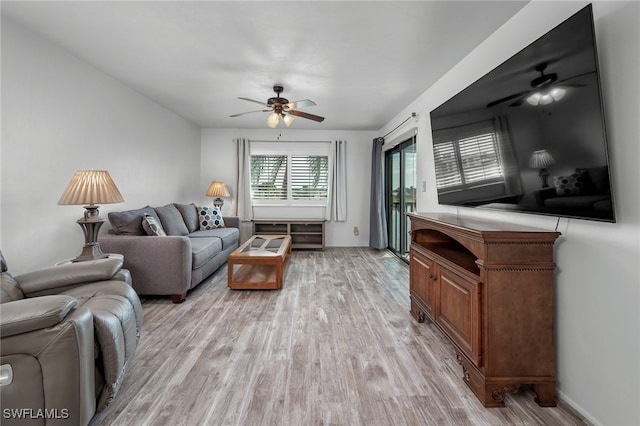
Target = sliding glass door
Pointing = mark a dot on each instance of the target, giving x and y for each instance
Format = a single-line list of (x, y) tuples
[(400, 182)]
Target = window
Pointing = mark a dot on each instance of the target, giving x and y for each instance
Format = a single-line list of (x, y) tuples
[(269, 177), (309, 177), (469, 161), (290, 178)]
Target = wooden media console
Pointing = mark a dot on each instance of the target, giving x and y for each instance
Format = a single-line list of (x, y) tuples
[(489, 288)]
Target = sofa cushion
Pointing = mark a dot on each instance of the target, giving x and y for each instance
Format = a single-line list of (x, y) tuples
[(152, 226), (203, 249), (210, 218), (189, 214), (583, 202), (229, 236), (171, 220), (129, 222), (597, 179)]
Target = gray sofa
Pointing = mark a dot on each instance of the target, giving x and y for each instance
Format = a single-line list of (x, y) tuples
[(176, 262), (69, 334), (584, 192)]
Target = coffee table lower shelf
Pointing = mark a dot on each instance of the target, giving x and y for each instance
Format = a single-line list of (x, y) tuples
[(255, 277), (260, 263)]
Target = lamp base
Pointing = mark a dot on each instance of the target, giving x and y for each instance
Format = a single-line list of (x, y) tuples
[(217, 203), (544, 177), (90, 252), (90, 224)]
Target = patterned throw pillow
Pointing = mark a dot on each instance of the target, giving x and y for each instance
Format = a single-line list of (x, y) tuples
[(210, 218), (573, 184), (152, 227)]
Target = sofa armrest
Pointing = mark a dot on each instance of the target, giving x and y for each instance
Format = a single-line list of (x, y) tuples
[(25, 315), (543, 194), (46, 281), (158, 265), (232, 221)]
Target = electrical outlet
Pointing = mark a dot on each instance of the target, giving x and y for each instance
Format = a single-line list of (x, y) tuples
[(356, 232), (424, 186)]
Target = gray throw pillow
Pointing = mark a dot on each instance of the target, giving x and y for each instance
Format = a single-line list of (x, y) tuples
[(171, 220), (129, 222), (189, 214)]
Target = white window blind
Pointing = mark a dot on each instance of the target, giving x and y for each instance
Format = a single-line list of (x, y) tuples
[(468, 161), (269, 177), (447, 165), (294, 178), (309, 177)]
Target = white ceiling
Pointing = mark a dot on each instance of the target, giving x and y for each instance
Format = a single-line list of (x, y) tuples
[(360, 61)]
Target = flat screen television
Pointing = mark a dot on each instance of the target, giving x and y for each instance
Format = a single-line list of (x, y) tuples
[(530, 135)]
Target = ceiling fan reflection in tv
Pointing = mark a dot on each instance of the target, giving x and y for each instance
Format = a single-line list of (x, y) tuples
[(544, 89)]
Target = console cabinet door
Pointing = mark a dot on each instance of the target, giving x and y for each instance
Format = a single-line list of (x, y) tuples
[(459, 311), (422, 281)]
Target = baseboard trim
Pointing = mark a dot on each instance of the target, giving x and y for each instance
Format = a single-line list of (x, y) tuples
[(570, 404)]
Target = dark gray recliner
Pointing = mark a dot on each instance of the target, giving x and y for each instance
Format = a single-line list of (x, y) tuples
[(68, 334)]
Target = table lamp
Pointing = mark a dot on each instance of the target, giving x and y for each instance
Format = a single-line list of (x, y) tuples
[(89, 188), (541, 160), (217, 189)]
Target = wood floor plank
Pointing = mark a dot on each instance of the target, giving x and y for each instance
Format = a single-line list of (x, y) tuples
[(335, 346)]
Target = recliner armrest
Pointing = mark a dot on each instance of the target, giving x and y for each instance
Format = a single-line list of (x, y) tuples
[(24, 315), (68, 274)]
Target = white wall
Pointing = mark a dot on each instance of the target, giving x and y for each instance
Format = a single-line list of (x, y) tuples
[(218, 163), (598, 278), (59, 115)]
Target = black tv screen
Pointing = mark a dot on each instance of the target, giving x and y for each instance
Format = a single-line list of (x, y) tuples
[(530, 136)]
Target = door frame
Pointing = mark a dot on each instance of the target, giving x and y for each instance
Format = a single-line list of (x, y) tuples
[(403, 231)]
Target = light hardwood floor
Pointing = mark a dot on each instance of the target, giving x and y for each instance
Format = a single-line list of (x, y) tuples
[(335, 346)]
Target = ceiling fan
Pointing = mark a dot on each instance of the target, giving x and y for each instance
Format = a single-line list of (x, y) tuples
[(281, 107), (544, 89)]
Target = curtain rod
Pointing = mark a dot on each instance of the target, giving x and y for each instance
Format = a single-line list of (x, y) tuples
[(275, 141), (413, 115)]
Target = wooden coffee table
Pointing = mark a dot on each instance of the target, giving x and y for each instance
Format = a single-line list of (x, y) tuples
[(259, 263)]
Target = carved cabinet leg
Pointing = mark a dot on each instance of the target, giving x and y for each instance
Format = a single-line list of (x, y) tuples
[(417, 313), (545, 394)]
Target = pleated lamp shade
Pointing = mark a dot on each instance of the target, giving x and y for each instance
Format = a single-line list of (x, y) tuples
[(217, 189), (540, 159), (91, 187)]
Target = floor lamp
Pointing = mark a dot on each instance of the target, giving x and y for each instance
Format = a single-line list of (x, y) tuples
[(89, 188)]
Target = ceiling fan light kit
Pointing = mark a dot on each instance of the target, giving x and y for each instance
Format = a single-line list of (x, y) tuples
[(545, 89), (542, 98), (281, 107)]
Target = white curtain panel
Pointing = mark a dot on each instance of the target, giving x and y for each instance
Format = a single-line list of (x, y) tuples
[(337, 197), (243, 194)]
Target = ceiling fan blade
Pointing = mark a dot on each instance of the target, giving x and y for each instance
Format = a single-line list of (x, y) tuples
[(518, 102), (254, 101), (570, 85), (505, 99), (249, 112), (300, 104), (306, 115)]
